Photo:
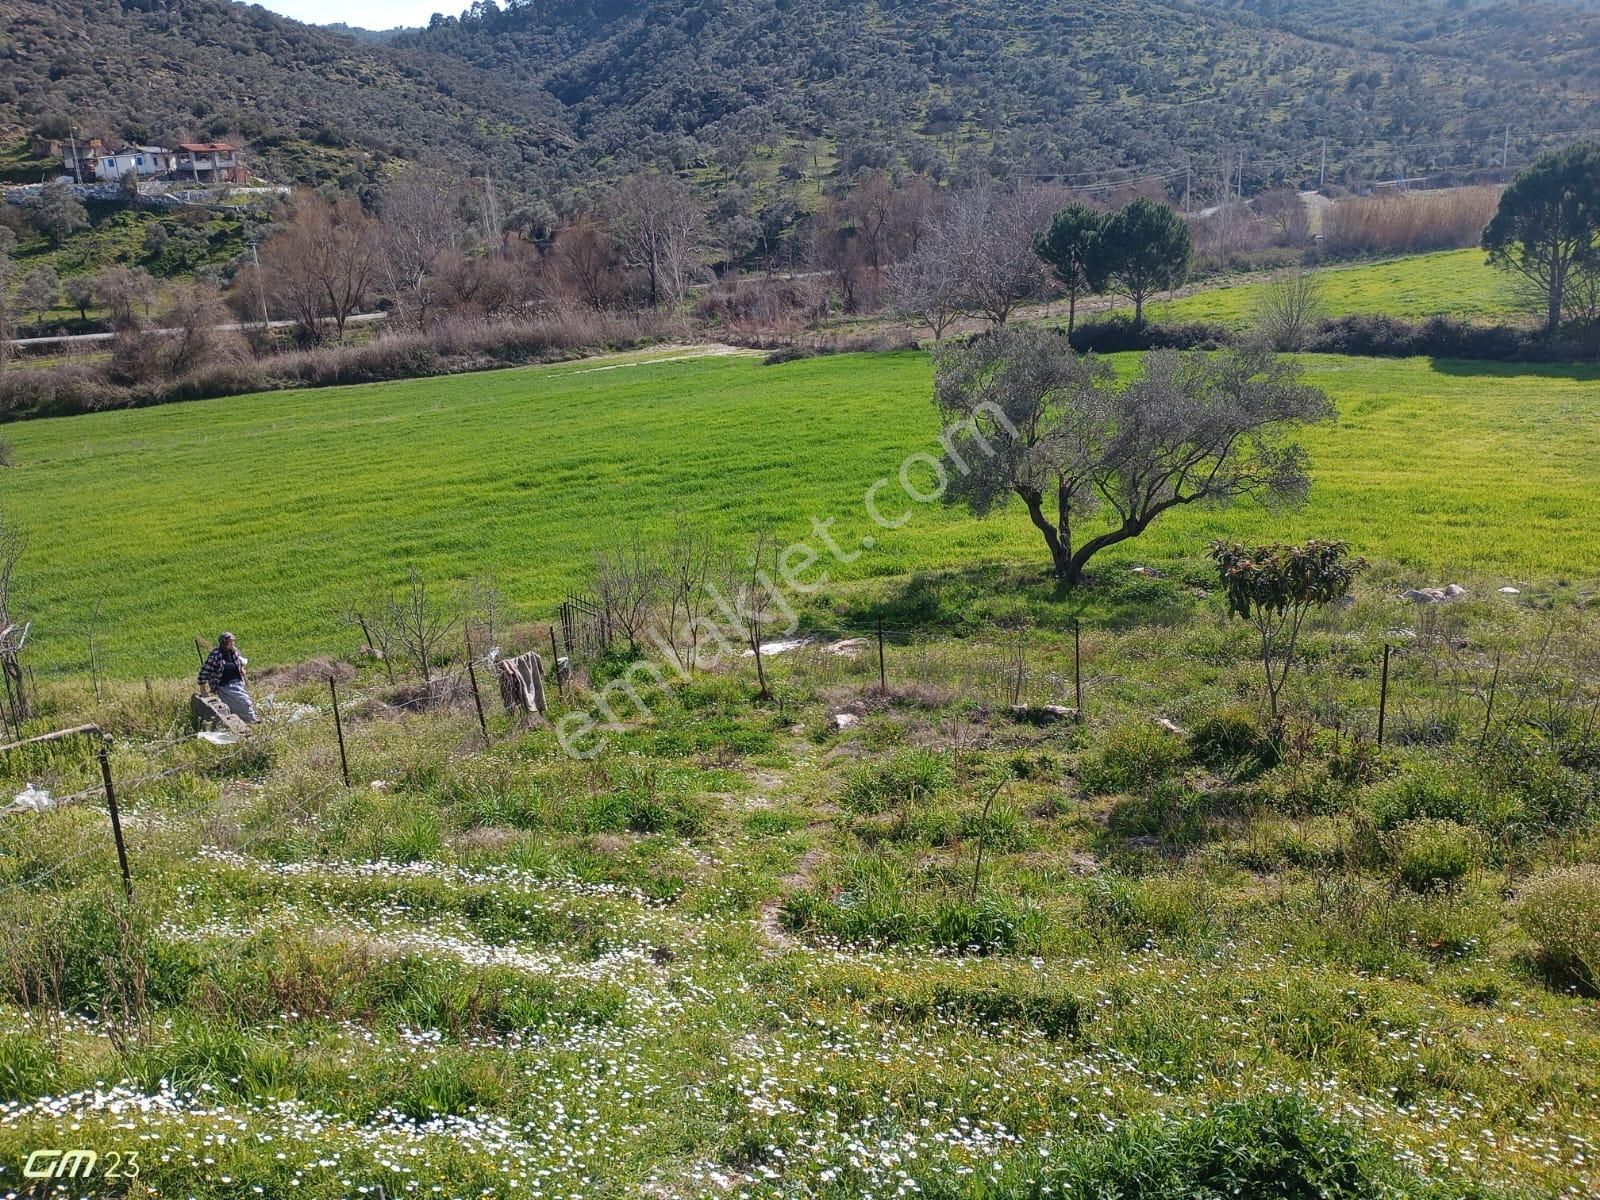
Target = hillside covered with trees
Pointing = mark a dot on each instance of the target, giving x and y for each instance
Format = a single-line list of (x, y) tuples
[(553, 96)]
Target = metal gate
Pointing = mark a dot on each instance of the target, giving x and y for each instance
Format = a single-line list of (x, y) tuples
[(585, 627)]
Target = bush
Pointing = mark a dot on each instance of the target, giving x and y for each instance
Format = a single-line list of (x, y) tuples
[(1431, 855), (1442, 790), (1560, 910), (1279, 1146), (1172, 812), (1379, 336), (908, 775), (1132, 757), (1117, 334), (1226, 737)]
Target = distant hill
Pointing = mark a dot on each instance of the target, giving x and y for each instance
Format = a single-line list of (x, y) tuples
[(551, 95)]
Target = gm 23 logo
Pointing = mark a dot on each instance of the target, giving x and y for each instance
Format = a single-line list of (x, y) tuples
[(80, 1164)]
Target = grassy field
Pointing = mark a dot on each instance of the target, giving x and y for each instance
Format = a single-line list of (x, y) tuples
[(1453, 283), (272, 513), (744, 953)]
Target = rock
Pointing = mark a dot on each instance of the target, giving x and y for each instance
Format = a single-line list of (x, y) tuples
[(1510, 591), (210, 713), (1434, 595), (1043, 714), (1170, 727), (1452, 590), (1199, 593), (1148, 572), (845, 720)]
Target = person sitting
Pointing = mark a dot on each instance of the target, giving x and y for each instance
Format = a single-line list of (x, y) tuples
[(223, 671)]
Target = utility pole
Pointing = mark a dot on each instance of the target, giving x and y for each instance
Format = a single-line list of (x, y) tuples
[(77, 163), (261, 291), (1188, 179), (1239, 191), (1322, 175), (1505, 155)]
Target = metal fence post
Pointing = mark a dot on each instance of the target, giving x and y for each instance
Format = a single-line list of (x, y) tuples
[(1383, 695), (477, 700), (116, 817), (883, 674), (338, 725)]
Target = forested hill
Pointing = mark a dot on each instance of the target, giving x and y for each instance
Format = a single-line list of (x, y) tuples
[(549, 95)]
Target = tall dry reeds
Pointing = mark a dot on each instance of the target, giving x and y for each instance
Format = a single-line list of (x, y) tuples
[(1409, 222)]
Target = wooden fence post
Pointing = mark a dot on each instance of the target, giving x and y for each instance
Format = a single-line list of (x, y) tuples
[(338, 725), (883, 674), (116, 817)]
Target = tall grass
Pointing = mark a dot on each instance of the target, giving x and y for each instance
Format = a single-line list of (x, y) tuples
[(1410, 223)]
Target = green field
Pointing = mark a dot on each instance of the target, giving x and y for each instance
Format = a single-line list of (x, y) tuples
[(271, 513), (1452, 283)]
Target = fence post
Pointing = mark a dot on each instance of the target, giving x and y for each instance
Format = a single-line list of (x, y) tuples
[(477, 700), (338, 725), (555, 664), (1077, 665), (200, 650), (1383, 695), (883, 674), (116, 817)]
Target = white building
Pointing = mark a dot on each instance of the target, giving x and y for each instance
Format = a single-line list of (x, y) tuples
[(143, 161)]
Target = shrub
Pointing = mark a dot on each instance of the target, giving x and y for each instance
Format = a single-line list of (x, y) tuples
[(1171, 811), (1132, 756), (1560, 910), (1118, 334), (908, 775), (1277, 1146), (1431, 854), (1439, 789), (1226, 737)]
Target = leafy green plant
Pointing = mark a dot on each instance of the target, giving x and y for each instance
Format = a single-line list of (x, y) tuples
[(1132, 756), (1430, 854), (1275, 587)]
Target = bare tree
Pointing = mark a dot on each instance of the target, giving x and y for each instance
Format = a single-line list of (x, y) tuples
[(196, 314), (585, 261), (628, 584), (122, 291), (837, 252), (992, 234), (928, 286), (420, 623), (1288, 308), (420, 213), (321, 263), (1285, 213), (687, 564), (1032, 419), (659, 230)]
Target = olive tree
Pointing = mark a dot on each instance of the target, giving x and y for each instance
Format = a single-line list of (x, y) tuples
[(1095, 460), (1274, 587)]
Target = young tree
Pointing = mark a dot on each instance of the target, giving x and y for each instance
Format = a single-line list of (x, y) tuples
[(123, 291), (6, 271), (420, 623), (1146, 248), (195, 313), (1274, 588), (80, 290), (1548, 224), (41, 288), (836, 251), (59, 213), (1027, 417), (1071, 248), (321, 263), (1288, 307)]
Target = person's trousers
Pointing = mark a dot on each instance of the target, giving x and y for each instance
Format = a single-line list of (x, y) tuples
[(239, 702)]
